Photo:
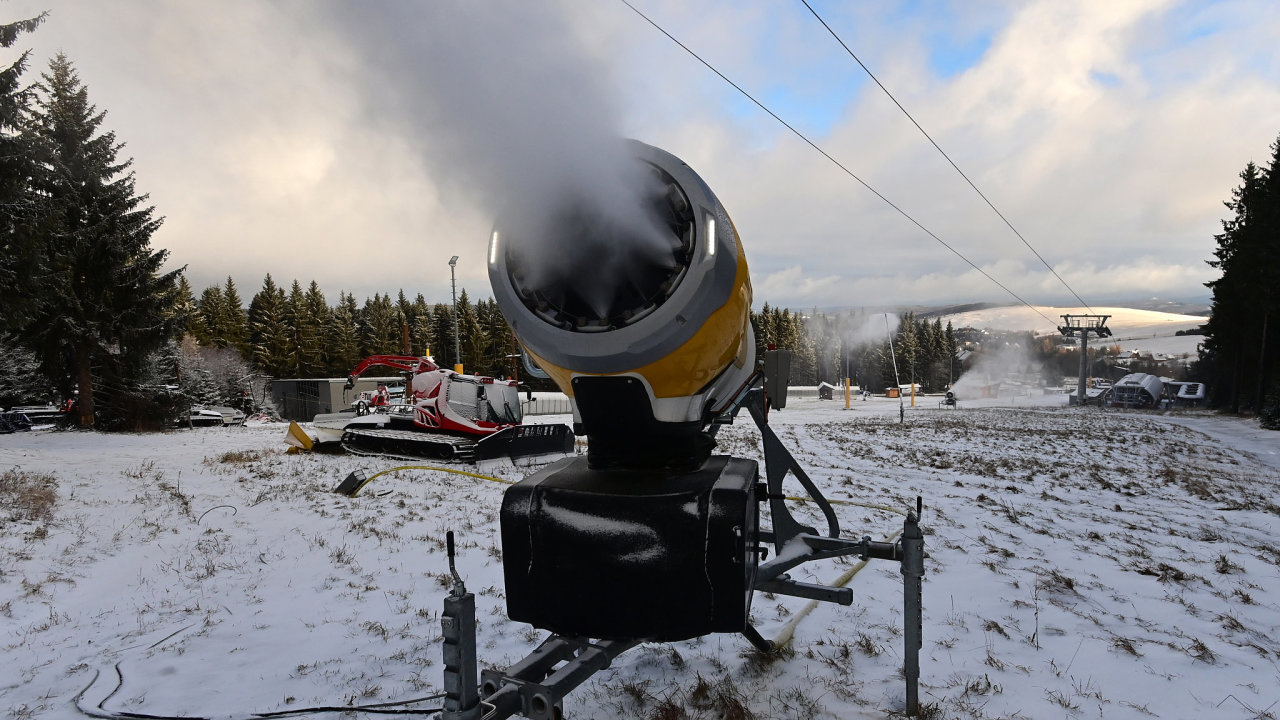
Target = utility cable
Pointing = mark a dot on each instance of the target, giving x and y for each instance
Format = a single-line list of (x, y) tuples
[(837, 163), (945, 155), (395, 707)]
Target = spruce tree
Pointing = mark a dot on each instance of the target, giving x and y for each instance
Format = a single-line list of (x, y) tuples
[(21, 207), (316, 312), (405, 307), (268, 333), (192, 322), (21, 380), (380, 326), (764, 329), (211, 316), (1242, 344), (108, 305), (234, 322), (194, 377), (442, 329), (474, 343), (949, 348), (908, 349), (420, 329), (502, 341), (343, 335), (301, 335)]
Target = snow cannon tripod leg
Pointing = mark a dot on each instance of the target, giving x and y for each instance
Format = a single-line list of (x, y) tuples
[(912, 606), (536, 686), (458, 626)]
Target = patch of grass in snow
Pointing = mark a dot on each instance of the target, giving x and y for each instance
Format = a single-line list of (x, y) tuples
[(1243, 596), (1167, 573), (867, 645), (1199, 651), (1057, 697), (722, 697), (28, 496), (757, 663), (1055, 581), (1230, 622), (235, 457), (1125, 645), (995, 627), (1224, 565), (174, 491)]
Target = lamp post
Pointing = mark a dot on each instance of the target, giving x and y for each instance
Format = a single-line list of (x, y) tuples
[(457, 346)]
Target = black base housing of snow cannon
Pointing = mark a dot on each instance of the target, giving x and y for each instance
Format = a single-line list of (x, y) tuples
[(632, 555)]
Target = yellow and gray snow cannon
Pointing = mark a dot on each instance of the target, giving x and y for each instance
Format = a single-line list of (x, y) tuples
[(643, 319), (645, 324)]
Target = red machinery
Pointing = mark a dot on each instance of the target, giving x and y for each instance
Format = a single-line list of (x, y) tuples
[(446, 416)]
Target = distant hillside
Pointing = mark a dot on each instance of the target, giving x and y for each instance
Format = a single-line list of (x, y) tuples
[(1044, 319), (1177, 307), (945, 310), (1131, 328)]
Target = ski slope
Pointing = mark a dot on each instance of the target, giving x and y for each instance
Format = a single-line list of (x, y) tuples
[(1081, 564)]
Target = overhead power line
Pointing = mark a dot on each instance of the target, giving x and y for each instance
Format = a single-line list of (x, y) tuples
[(836, 162), (944, 154)]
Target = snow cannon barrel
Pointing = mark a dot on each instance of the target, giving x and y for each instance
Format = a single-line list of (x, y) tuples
[(641, 314)]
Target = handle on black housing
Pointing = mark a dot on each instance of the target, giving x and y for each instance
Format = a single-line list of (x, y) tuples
[(459, 588)]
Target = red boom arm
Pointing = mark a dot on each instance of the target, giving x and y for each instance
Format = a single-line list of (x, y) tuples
[(407, 363)]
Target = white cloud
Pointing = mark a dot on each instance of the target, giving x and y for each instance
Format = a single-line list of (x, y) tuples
[(1109, 133)]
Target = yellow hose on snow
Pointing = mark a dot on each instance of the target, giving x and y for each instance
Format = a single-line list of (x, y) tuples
[(454, 471)]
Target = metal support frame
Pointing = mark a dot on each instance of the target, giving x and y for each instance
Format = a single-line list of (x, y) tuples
[(771, 576), (536, 686), (912, 544)]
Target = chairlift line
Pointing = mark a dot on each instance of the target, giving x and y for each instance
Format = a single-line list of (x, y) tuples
[(835, 162), (945, 155)]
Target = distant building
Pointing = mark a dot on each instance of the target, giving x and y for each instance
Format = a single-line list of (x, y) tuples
[(1184, 394), (1140, 390), (304, 398)]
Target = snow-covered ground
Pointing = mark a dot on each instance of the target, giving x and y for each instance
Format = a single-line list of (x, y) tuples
[(1082, 563), (1167, 345)]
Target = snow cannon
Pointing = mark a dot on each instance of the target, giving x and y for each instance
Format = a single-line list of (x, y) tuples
[(641, 316), (642, 319)]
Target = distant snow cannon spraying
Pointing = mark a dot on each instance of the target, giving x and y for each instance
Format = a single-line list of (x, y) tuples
[(641, 315)]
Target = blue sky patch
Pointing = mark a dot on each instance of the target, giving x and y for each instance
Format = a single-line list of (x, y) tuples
[(812, 106), (951, 55), (1105, 79)]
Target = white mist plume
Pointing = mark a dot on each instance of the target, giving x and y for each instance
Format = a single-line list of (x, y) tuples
[(998, 373), (858, 329), (513, 114)]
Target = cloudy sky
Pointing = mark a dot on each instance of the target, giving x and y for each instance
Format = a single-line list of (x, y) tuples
[(362, 146)]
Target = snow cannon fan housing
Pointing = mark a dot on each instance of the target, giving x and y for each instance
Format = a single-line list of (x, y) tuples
[(646, 329)]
